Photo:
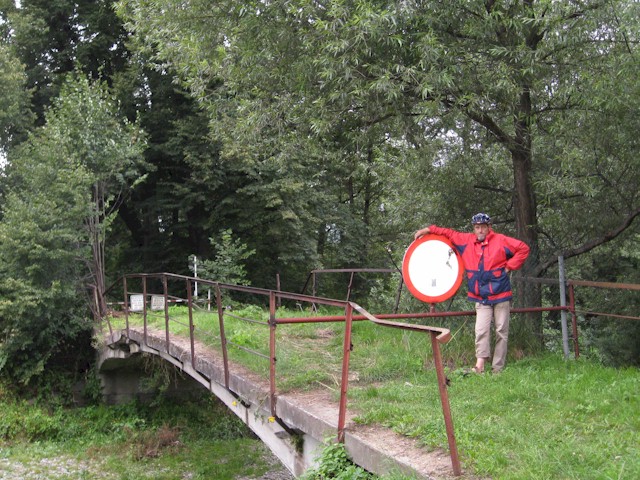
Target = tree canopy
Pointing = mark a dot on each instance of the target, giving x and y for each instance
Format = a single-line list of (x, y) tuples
[(321, 133)]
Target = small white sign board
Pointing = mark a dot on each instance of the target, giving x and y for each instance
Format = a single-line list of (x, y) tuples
[(136, 303), (157, 302)]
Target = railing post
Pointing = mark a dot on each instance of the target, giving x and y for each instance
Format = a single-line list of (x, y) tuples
[(165, 289), (350, 286), (444, 400), (144, 308), (574, 320), (272, 352), (191, 332), (344, 384), (223, 338), (126, 304), (563, 303)]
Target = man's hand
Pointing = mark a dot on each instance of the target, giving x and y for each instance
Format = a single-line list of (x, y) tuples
[(421, 232)]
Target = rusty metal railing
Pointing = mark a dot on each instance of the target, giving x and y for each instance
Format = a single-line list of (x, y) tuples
[(437, 335)]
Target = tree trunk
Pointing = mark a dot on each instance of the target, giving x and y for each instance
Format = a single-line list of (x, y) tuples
[(526, 329)]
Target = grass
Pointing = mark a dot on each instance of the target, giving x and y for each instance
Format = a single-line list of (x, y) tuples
[(541, 418), (167, 441)]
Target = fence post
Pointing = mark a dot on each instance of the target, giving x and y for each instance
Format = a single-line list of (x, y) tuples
[(574, 320), (191, 332), (126, 304), (165, 290), (272, 352), (144, 309), (350, 286), (344, 384), (563, 303), (223, 338), (446, 408)]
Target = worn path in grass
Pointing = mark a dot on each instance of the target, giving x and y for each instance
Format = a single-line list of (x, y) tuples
[(321, 404)]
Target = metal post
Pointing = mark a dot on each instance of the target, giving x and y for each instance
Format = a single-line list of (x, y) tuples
[(191, 328), (223, 338), (563, 303), (444, 399), (279, 302), (344, 384), (574, 320), (144, 309), (272, 352), (126, 305), (165, 289), (350, 286), (195, 274)]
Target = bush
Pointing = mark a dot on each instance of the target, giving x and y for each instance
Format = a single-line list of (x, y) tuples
[(334, 464)]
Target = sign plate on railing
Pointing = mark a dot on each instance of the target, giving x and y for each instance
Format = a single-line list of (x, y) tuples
[(432, 268), (136, 303), (157, 302)]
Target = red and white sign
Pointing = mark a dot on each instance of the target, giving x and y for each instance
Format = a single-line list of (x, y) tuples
[(432, 269)]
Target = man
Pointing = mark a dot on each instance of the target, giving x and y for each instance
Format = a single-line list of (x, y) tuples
[(488, 258)]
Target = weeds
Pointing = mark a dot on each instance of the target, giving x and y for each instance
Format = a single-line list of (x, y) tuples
[(334, 463), (198, 440)]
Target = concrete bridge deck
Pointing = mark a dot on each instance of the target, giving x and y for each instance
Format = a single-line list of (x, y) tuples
[(305, 419)]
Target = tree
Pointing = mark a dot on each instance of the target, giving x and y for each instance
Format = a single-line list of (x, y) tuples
[(15, 117), (64, 183), (53, 38), (228, 264)]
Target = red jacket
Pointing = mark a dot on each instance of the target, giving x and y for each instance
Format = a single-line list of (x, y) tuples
[(485, 262)]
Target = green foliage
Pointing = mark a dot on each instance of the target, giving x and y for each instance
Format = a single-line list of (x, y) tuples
[(370, 120), (228, 266), (334, 464), (14, 98), (63, 182)]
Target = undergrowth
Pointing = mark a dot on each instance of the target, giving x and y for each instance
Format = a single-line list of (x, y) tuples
[(166, 440)]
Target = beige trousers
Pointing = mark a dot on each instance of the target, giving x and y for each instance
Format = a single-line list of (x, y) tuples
[(499, 314)]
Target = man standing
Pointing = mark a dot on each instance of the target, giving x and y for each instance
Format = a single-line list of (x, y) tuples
[(488, 258)]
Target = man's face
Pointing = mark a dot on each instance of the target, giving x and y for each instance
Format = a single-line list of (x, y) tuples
[(481, 231)]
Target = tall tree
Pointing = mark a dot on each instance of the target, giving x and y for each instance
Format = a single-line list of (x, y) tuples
[(64, 182), (53, 38)]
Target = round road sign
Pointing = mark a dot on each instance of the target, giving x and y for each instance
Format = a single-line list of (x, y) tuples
[(432, 268)]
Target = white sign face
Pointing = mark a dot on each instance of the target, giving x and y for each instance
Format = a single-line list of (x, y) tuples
[(432, 269), (136, 303), (157, 302)]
